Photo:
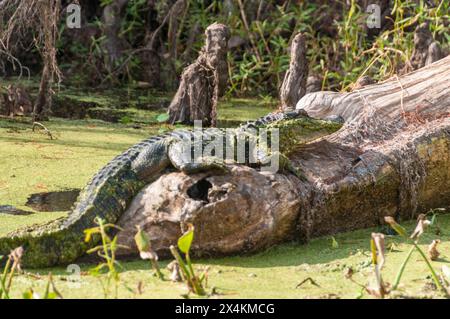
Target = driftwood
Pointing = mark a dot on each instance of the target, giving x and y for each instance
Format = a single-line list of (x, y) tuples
[(204, 81), (391, 158), (294, 84)]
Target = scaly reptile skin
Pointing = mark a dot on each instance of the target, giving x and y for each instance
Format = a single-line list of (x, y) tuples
[(114, 186)]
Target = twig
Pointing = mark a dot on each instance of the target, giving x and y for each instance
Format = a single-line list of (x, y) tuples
[(312, 281), (46, 130), (52, 283), (401, 99), (402, 269)]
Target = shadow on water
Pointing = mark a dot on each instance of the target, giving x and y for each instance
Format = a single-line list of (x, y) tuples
[(53, 201), (44, 202), (11, 210)]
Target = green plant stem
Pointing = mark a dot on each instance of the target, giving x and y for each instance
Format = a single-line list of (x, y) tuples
[(197, 284), (402, 269), (188, 272), (11, 276), (4, 291), (180, 261), (155, 266), (106, 256), (47, 288), (189, 264), (433, 273)]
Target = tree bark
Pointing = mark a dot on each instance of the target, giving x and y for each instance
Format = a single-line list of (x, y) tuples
[(16, 101), (204, 81), (49, 11), (42, 106), (391, 158), (294, 84), (426, 50), (112, 16)]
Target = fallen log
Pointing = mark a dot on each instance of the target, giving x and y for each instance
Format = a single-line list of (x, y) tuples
[(391, 158)]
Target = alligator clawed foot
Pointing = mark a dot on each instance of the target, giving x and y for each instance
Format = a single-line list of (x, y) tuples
[(206, 165)]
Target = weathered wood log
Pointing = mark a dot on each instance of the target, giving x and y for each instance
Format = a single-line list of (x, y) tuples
[(204, 81), (294, 83), (391, 158), (223, 208)]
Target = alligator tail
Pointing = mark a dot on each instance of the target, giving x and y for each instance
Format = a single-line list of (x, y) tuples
[(62, 241)]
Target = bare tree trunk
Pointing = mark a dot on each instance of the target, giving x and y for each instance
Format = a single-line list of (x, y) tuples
[(150, 55), (294, 84), (313, 84), (42, 105), (112, 16), (49, 11), (391, 158), (204, 81), (16, 101)]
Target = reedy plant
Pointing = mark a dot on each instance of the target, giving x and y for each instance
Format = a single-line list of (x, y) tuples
[(377, 247), (194, 283), (413, 239), (106, 251), (144, 246), (51, 292), (10, 270)]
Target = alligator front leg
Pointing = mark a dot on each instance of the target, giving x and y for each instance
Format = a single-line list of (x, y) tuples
[(182, 157), (278, 162)]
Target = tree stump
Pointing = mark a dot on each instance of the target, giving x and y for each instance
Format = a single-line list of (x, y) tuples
[(294, 83), (426, 50), (313, 84), (391, 158), (203, 82), (16, 101)]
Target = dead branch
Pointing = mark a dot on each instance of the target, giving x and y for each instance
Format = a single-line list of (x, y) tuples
[(46, 130), (310, 280)]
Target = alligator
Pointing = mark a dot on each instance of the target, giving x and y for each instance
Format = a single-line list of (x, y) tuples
[(109, 192)]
